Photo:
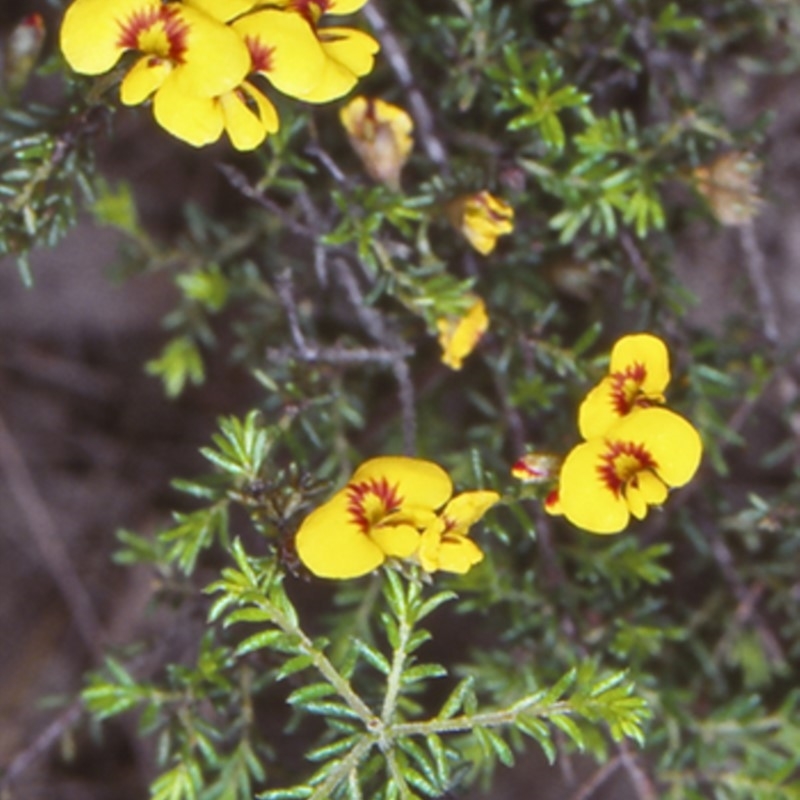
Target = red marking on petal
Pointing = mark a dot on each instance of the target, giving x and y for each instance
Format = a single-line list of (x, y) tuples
[(260, 54), (636, 458), (626, 388), (33, 21), (358, 494), (552, 498), (166, 17), (311, 10)]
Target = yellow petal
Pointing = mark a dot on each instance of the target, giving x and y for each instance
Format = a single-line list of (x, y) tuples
[(349, 53), (246, 127), (331, 546), (429, 544), (419, 482), (90, 32), (459, 337), (196, 120), (203, 74), (458, 554), (648, 351), (585, 499), (284, 49), (465, 509), (599, 410), (399, 541), (143, 78), (481, 218), (673, 442), (223, 10), (344, 6)]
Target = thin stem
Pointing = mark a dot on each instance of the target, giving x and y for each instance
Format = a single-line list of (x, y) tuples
[(393, 681), (397, 775), (342, 772)]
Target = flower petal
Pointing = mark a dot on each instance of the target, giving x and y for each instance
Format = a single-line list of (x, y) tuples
[(201, 73), (91, 29), (458, 554), (143, 78), (246, 127), (284, 49), (465, 509), (350, 53), (196, 120), (331, 546), (645, 349), (223, 10), (585, 499), (673, 442), (419, 482), (399, 541), (344, 6)]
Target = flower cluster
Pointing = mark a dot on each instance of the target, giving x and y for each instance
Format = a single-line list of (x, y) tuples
[(198, 58), (634, 450), (393, 507)]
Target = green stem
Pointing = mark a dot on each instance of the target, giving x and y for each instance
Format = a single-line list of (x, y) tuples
[(467, 722), (324, 667), (397, 775), (343, 770), (395, 676)]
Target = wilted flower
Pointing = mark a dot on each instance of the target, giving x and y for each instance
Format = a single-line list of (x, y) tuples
[(381, 135), (445, 544), (482, 218), (637, 377), (729, 185), (632, 466), (536, 467), (458, 336), (22, 51)]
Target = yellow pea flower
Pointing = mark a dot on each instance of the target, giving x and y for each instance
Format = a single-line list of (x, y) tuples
[(349, 53), (458, 336), (482, 218), (632, 466), (377, 515), (444, 544), (637, 377), (175, 41), (381, 135)]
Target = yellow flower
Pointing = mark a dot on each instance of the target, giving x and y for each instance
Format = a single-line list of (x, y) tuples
[(459, 336), (349, 53), (482, 218), (377, 515), (444, 544), (632, 466), (638, 375), (244, 113), (284, 49), (179, 44), (381, 135)]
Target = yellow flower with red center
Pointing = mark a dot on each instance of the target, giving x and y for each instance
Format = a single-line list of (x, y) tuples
[(381, 135), (196, 55), (349, 52), (637, 377), (445, 544), (175, 40), (388, 509), (458, 336), (377, 515), (482, 218), (632, 466)]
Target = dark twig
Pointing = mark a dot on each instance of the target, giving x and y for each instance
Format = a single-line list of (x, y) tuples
[(41, 744), (337, 355), (45, 534), (285, 290), (640, 782), (595, 781), (756, 267), (419, 107)]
